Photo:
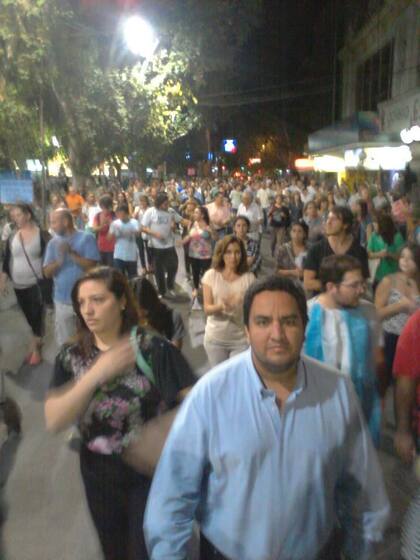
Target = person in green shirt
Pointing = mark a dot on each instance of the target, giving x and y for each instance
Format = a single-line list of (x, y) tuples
[(385, 244)]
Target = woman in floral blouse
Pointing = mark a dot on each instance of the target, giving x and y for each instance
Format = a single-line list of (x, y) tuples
[(113, 379)]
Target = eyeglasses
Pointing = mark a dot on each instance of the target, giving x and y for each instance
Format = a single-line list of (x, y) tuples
[(354, 285)]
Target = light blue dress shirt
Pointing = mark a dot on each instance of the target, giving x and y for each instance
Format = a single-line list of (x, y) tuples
[(69, 272), (266, 485)]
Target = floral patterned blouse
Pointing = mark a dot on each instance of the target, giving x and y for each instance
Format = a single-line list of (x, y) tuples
[(119, 407)]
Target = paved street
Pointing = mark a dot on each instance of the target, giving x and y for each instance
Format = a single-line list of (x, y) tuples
[(46, 517)]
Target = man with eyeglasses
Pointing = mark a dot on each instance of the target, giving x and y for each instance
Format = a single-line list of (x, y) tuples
[(344, 332)]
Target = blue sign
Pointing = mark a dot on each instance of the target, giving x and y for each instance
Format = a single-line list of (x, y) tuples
[(13, 190), (230, 145), (210, 156)]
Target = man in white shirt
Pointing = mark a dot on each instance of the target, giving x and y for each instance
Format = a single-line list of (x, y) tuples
[(159, 223), (253, 212)]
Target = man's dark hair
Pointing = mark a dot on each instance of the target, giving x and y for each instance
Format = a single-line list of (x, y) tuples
[(105, 202), (345, 215), (244, 219), (334, 267), (276, 283), (123, 208), (161, 198)]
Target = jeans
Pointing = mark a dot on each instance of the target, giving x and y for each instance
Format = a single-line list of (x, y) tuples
[(126, 267), (166, 263)]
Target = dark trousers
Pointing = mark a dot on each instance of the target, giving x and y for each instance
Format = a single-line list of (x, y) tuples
[(331, 551), (187, 258), (144, 252), (126, 267), (166, 263), (107, 258), (390, 346), (198, 267), (116, 496), (30, 301)]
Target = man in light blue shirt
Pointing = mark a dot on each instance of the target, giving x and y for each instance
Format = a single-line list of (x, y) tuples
[(68, 255), (269, 452)]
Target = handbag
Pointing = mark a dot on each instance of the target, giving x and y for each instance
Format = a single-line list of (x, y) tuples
[(45, 285), (143, 453)]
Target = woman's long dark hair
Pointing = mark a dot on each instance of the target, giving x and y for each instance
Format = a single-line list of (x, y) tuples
[(117, 284), (386, 228), (158, 314)]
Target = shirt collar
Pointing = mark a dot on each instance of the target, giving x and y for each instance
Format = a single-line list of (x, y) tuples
[(258, 383)]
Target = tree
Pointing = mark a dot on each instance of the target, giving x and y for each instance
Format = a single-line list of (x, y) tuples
[(103, 109)]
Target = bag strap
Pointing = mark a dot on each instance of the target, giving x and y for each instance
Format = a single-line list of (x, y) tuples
[(26, 256), (140, 360)]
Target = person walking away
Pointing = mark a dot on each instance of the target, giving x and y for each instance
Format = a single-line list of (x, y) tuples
[(224, 286), (274, 436), (345, 332), (69, 254), (125, 231)]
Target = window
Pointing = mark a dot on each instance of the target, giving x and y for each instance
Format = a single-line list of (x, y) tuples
[(374, 79)]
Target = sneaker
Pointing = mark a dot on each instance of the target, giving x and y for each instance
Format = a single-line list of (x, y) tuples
[(196, 305)]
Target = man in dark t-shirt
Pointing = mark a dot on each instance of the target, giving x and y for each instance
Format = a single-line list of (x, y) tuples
[(338, 240)]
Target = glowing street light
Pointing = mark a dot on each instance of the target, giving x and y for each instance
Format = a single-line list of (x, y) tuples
[(140, 37)]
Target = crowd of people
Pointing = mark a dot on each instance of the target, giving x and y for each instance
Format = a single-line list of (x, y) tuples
[(339, 292)]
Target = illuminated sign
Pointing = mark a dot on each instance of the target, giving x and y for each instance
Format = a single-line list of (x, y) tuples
[(230, 145)]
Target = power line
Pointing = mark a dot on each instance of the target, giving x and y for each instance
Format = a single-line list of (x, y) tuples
[(284, 96)]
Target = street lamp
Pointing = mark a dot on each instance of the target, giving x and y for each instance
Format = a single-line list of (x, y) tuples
[(140, 37)]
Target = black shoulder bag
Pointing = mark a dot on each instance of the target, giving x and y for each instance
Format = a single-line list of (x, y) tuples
[(45, 285)]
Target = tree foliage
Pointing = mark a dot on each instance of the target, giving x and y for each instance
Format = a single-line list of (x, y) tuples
[(100, 108)]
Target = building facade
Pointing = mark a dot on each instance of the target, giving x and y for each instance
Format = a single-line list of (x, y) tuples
[(381, 71)]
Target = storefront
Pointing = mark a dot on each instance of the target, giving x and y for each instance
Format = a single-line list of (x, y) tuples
[(357, 150), (401, 116)]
